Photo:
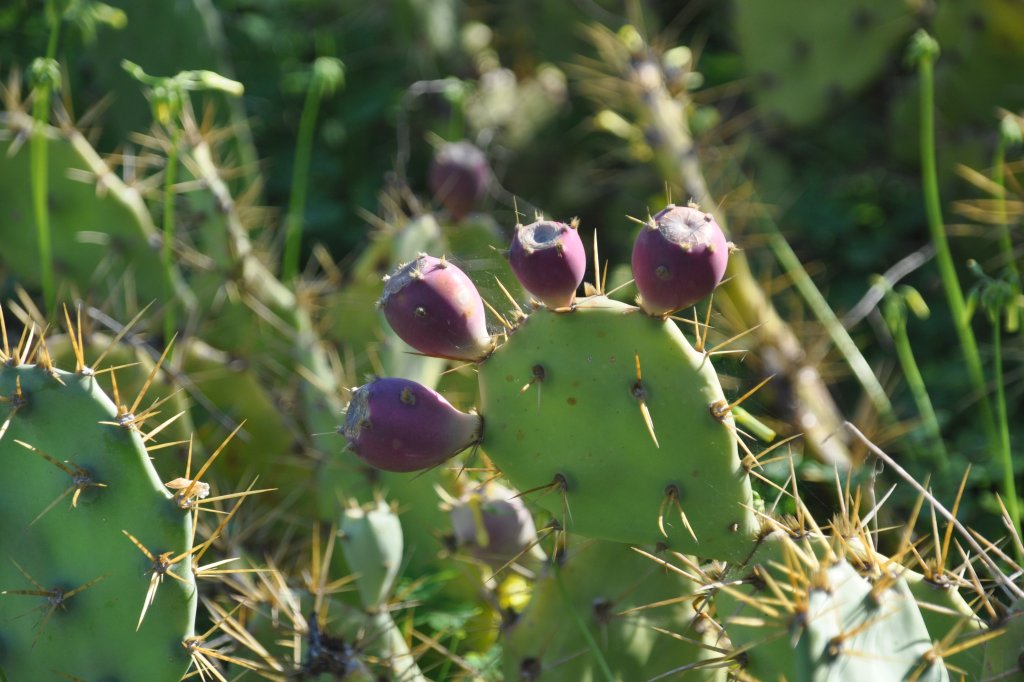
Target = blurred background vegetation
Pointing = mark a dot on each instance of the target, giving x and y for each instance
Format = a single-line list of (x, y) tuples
[(805, 116)]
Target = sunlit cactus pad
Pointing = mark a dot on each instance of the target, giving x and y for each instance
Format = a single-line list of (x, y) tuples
[(75, 485), (613, 410)]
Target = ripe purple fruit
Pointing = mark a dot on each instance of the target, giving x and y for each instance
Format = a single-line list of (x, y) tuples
[(493, 524), (400, 425), (549, 261), (433, 306), (459, 176), (679, 257)]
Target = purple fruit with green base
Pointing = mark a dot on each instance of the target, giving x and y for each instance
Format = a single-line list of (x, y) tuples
[(399, 425), (493, 524), (433, 306), (679, 258), (549, 261), (459, 176)]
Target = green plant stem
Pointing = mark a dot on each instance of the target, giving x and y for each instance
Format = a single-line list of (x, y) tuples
[(757, 428), (396, 650), (584, 630), (998, 176), (944, 257), (1009, 485), (905, 353), (300, 184), (790, 262), (40, 171), (167, 248)]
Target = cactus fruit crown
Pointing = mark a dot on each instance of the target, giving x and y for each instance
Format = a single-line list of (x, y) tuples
[(549, 260), (543, 234), (678, 259)]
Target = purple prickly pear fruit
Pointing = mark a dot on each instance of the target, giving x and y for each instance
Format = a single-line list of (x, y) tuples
[(399, 425), (433, 306), (458, 178), (549, 260), (679, 257), (493, 524)]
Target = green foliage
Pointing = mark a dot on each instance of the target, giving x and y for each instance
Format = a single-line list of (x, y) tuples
[(601, 582)]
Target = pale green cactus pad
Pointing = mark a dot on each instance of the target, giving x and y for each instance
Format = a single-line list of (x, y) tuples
[(564, 409)]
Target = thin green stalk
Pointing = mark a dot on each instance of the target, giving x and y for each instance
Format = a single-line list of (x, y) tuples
[(790, 262), (40, 172), (167, 249), (754, 426), (912, 373), (998, 176), (587, 635), (300, 184), (943, 255), (1006, 457)]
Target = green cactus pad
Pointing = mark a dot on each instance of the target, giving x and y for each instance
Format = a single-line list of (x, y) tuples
[(807, 56), (600, 580), (371, 540), (1004, 656), (579, 430), (94, 580), (944, 610), (796, 616)]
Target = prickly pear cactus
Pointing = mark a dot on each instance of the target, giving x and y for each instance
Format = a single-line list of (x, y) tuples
[(666, 446), (95, 567), (1004, 656), (603, 582), (830, 621), (609, 420), (660, 450)]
